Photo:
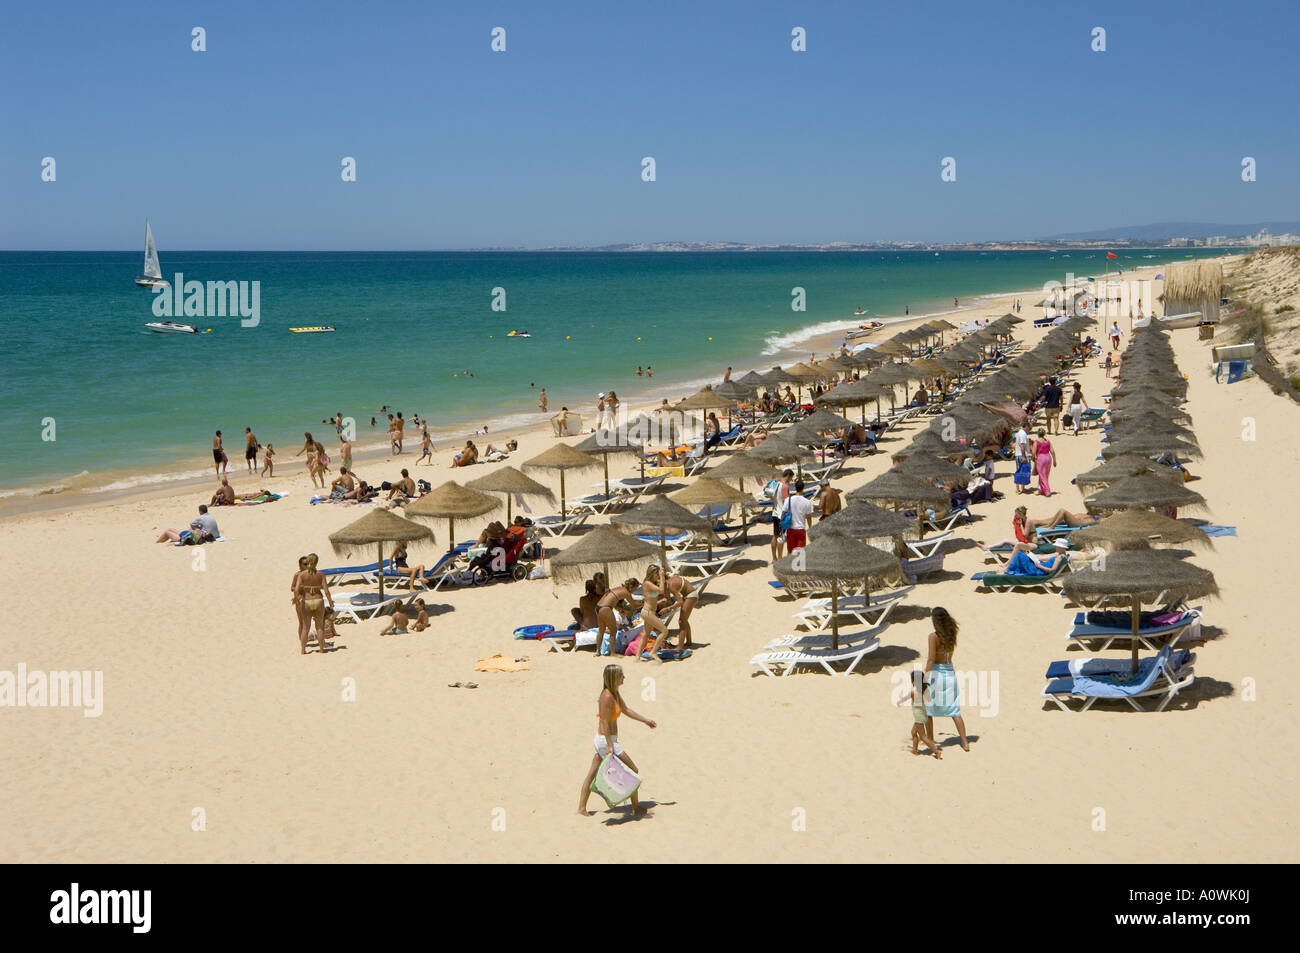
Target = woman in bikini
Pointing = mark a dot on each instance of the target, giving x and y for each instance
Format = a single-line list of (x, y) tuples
[(655, 594), (684, 597), (397, 563), (609, 707), (606, 619), (293, 589), (313, 592), (943, 698)]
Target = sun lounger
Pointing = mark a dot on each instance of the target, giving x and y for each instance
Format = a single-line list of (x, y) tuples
[(367, 573), (928, 546), (1158, 680), (811, 586), (1150, 636), (701, 563), (1004, 582), (815, 614), (785, 661), (441, 572), (557, 526), (364, 605), (943, 522), (1092, 416)]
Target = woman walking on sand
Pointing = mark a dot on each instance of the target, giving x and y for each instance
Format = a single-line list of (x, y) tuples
[(609, 707), (943, 698), (1077, 406), (1044, 460)]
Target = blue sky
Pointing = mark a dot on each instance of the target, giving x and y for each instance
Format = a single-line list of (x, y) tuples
[(240, 147)]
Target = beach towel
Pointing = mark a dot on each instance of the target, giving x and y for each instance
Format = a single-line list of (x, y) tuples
[(1215, 530), (942, 698), (500, 663), (259, 500), (615, 781)]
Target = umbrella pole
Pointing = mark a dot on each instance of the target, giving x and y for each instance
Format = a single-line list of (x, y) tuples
[(381, 572), (835, 613), (605, 458), (1137, 619), (508, 520), (563, 515), (451, 533)]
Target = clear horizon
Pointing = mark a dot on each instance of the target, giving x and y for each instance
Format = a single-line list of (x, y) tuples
[(459, 148)]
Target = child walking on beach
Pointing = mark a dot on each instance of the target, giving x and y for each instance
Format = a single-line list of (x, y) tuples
[(268, 466), (920, 729)]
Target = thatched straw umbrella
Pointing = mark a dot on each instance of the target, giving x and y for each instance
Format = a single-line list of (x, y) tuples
[(1136, 576), (803, 435), (1123, 466), (511, 483), (900, 488), (841, 559), (779, 376), (930, 442), (604, 442), (753, 380), (562, 457), (1149, 443), (970, 421), (863, 520), (1136, 528), (934, 469), (739, 467), (451, 502), (1154, 421), (660, 516), (1139, 407), (778, 451), (852, 394), (1146, 490), (379, 526), (614, 552), (822, 419), (711, 492)]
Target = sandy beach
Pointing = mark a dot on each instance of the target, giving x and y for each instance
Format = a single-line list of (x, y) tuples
[(219, 743)]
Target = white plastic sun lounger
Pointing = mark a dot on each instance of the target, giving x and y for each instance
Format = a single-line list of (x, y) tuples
[(922, 548), (815, 614), (1159, 679), (557, 526), (364, 605), (785, 661), (699, 562)]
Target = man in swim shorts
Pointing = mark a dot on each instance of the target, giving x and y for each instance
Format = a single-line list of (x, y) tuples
[(250, 449)]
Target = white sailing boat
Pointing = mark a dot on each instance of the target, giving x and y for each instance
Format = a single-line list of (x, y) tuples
[(152, 272)]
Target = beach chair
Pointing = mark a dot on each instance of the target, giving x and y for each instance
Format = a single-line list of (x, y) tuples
[(443, 571), (357, 606), (921, 548), (367, 573), (811, 586), (558, 526), (943, 522), (1004, 582), (815, 614), (1159, 678), (1236, 370), (783, 661), (1151, 636), (689, 563), (1091, 416)]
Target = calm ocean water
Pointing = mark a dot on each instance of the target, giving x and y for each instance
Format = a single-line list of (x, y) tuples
[(75, 348)]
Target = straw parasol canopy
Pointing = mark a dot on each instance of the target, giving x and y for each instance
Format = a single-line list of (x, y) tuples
[(941, 323), (562, 457), (805, 372), (805, 436), (511, 483), (970, 421), (1154, 421), (822, 419), (929, 367), (734, 391), (605, 441), (740, 466), (929, 467), (662, 516), (863, 520), (706, 491), (451, 502), (928, 441), (839, 558), (1140, 407), (379, 526), (614, 552), (892, 348), (1145, 490), (753, 380), (778, 376), (778, 451), (705, 399), (1136, 528), (1123, 466), (1137, 576), (902, 488), (1149, 442)]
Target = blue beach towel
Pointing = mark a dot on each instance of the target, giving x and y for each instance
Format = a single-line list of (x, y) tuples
[(1215, 530)]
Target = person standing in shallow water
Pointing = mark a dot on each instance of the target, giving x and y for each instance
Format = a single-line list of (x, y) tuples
[(942, 697), (609, 706)]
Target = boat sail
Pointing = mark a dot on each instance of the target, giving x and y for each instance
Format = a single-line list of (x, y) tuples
[(152, 272)]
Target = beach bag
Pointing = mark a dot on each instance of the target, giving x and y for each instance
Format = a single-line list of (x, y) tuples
[(1067, 420), (1021, 477), (615, 781), (604, 644), (785, 521)]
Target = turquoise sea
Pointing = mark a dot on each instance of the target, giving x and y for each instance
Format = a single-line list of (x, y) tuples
[(409, 325)]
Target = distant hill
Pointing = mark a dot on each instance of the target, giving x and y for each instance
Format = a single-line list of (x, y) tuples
[(1163, 231)]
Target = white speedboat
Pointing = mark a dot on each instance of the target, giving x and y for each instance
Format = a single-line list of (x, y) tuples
[(318, 329), (152, 272), (169, 327)]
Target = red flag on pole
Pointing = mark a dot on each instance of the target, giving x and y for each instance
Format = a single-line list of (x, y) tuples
[(1111, 254)]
